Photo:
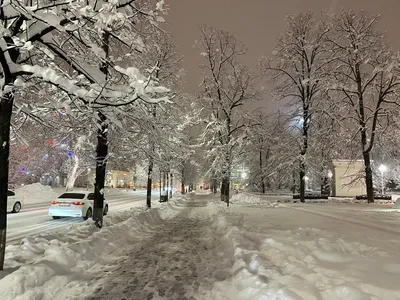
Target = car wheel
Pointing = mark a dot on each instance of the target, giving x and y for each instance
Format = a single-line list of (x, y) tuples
[(56, 217), (105, 212), (17, 207), (88, 214)]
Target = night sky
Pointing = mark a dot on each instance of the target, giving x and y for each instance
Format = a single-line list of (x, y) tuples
[(258, 23)]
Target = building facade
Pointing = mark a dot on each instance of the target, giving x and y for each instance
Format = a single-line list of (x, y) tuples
[(346, 178)]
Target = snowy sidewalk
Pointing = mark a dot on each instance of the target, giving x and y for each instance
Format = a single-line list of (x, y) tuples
[(180, 261)]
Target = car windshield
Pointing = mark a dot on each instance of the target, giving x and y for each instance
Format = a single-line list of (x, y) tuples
[(90, 196), (10, 193), (72, 196)]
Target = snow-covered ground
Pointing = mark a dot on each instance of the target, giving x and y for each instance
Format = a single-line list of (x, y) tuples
[(316, 251), (196, 248), (263, 200)]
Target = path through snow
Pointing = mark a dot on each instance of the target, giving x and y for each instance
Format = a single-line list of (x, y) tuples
[(181, 260)]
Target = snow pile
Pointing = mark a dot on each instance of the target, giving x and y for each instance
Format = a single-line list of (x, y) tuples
[(40, 266), (252, 199), (306, 263), (37, 193), (397, 204)]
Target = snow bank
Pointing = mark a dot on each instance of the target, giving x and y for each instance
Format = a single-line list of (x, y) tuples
[(42, 265), (252, 199), (305, 263), (37, 193)]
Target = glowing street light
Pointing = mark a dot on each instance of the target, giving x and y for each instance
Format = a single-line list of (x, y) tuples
[(382, 169), (244, 175)]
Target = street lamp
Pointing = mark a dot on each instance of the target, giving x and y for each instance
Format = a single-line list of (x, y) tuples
[(382, 169)]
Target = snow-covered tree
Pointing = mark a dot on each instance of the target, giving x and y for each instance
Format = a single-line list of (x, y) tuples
[(48, 44), (297, 70), (364, 82), (268, 154), (227, 85)]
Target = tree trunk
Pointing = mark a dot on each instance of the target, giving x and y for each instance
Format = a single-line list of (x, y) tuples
[(302, 183), (223, 183), (151, 165), (215, 186), (135, 178), (167, 185), (294, 181), (227, 186), (102, 145), (368, 177), (101, 160), (267, 183), (73, 175), (160, 185), (172, 185), (183, 182), (163, 183), (149, 182), (6, 106), (325, 185), (262, 179), (225, 190)]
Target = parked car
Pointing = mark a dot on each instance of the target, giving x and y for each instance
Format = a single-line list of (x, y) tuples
[(14, 204), (79, 204)]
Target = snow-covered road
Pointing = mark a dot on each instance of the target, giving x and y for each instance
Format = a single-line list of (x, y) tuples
[(34, 218)]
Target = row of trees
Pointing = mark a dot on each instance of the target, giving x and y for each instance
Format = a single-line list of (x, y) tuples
[(100, 80), (338, 85), (104, 77)]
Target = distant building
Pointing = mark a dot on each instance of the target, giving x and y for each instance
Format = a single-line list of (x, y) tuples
[(114, 178), (119, 179), (346, 179)]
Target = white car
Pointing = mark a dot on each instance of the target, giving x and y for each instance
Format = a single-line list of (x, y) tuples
[(74, 204), (14, 204)]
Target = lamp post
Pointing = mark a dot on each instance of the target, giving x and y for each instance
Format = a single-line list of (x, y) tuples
[(382, 169)]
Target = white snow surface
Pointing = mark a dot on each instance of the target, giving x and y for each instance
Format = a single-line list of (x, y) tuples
[(37, 193), (252, 199), (196, 248)]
